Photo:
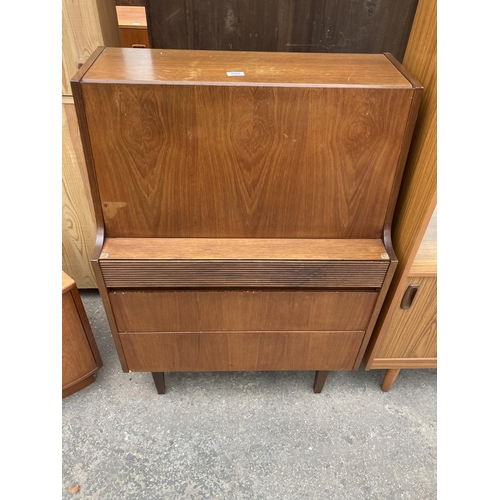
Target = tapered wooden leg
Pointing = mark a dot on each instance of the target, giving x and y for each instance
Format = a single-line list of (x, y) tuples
[(319, 381), (389, 378), (159, 378)]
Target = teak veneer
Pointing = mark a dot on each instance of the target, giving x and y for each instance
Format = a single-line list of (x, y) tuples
[(243, 221), (80, 355)]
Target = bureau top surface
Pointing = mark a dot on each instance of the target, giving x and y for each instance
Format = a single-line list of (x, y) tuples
[(206, 67)]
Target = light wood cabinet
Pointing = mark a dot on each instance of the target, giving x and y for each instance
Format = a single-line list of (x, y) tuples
[(86, 24), (411, 337), (407, 338)]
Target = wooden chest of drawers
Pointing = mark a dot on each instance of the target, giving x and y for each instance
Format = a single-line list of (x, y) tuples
[(243, 203)]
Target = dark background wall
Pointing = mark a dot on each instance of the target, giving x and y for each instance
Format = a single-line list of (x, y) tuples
[(369, 26)]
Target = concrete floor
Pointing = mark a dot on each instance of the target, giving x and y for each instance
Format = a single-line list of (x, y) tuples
[(254, 435)]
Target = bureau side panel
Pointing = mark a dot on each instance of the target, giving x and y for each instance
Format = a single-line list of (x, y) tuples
[(253, 161), (240, 351), (250, 310)]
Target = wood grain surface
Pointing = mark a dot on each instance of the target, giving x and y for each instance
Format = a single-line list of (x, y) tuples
[(393, 363), (131, 17), (240, 351), (130, 37), (413, 332), (242, 248), (86, 25), (78, 219), (418, 194), (425, 262), (67, 282), (77, 359), (248, 310), (265, 69), (236, 162)]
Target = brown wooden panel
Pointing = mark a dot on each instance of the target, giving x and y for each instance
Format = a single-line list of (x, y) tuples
[(130, 37), (372, 27), (413, 331), (235, 351), (243, 248), (169, 67), (248, 310), (131, 17), (240, 273), (393, 363), (77, 359), (67, 282), (245, 162), (425, 262)]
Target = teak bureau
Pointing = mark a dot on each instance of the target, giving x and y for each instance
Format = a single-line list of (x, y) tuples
[(244, 203)]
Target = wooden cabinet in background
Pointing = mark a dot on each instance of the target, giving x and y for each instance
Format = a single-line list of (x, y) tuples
[(133, 26), (86, 25), (407, 338), (80, 356), (411, 337)]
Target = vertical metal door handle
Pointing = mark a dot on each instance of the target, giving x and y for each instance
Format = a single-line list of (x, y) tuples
[(409, 296)]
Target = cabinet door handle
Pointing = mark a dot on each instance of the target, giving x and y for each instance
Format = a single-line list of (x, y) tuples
[(138, 46), (409, 296)]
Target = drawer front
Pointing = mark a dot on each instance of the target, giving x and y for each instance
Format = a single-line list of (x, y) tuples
[(241, 273), (240, 351), (250, 310)]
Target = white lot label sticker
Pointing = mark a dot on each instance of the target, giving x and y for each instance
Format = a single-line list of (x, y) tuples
[(235, 73)]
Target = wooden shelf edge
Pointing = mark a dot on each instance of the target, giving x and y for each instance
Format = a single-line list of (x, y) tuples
[(391, 363), (243, 248)]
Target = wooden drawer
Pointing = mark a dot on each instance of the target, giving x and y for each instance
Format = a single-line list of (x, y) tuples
[(241, 310), (243, 263), (240, 351)]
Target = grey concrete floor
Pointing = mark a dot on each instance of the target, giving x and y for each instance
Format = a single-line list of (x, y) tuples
[(253, 435)]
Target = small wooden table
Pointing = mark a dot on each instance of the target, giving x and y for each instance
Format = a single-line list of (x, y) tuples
[(80, 356)]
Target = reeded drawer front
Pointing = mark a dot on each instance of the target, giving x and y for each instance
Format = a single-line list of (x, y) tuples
[(243, 263), (184, 273), (240, 351), (248, 310)]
